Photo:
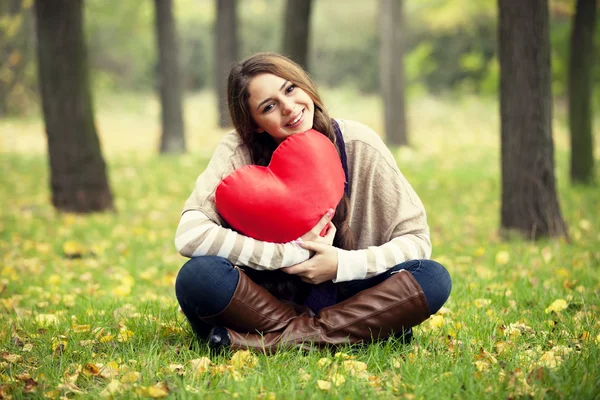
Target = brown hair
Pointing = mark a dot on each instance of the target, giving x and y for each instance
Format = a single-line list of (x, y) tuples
[(262, 146)]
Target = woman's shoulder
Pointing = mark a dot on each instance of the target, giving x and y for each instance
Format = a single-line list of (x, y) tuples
[(357, 134), (231, 146)]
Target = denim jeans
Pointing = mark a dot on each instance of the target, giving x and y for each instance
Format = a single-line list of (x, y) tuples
[(205, 286)]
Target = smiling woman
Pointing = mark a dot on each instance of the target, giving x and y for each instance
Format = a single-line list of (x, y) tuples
[(369, 276)]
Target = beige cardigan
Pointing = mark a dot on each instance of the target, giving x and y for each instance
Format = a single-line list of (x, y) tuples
[(386, 215)]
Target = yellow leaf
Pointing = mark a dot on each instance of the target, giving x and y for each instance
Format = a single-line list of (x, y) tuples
[(28, 347), (91, 369), (200, 365), (243, 358), (303, 375), (178, 368), (131, 377), (436, 321), (158, 391), (45, 320), (59, 344), (107, 338), (557, 306), (73, 249), (113, 388), (502, 257), (324, 362), (344, 356), (585, 225), (124, 335), (480, 303), (11, 358), (598, 339), (72, 373), (353, 367), (324, 385), (110, 370), (550, 360), (80, 328), (337, 379)]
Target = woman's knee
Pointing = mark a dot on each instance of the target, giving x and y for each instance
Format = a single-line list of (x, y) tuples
[(198, 274), (436, 283)]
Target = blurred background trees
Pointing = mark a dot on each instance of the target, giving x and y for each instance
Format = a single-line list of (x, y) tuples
[(450, 45), (443, 48)]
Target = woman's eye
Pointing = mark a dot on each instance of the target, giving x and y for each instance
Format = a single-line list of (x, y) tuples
[(268, 108), (290, 88)]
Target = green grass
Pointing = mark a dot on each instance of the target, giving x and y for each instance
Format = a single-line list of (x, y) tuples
[(112, 313)]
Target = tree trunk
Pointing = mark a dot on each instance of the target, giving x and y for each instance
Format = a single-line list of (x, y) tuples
[(15, 54), (297, 31), (392, 71), (529, 199), (226, 53), (580, 91), (78, 173), (169, 80)]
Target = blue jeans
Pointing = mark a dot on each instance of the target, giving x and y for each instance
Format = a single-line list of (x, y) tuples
[(205, 286)]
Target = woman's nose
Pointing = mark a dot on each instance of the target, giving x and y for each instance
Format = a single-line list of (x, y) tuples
[(288, 107)]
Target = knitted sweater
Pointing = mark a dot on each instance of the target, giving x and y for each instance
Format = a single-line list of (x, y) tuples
[(386, 215)]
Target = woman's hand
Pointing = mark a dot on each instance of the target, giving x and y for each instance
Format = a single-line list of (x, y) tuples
[(321, 267), (314, 235)]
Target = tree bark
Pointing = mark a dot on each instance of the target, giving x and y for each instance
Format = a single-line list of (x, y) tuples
[(78, 173), (226, 53), (529, 199), (169, 79), (297, 31), (581, 62), (392, 71)]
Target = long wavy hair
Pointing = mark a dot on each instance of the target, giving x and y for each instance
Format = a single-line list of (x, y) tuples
[(262, 146)]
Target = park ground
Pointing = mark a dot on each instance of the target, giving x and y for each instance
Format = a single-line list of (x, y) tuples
[(87, 306)]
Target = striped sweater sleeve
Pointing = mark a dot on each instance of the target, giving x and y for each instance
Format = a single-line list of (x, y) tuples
[(198, 235), (374, 260)]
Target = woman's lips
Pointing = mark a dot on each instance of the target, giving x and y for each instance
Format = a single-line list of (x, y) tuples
[(298, 120)]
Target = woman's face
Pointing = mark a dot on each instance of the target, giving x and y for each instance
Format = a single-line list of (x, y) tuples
[(279, 107)]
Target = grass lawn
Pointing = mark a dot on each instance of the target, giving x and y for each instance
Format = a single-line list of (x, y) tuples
[(87, 306)]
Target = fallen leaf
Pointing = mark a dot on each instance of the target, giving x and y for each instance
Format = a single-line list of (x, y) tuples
[(243, 358), (324, 385), (557, 306)]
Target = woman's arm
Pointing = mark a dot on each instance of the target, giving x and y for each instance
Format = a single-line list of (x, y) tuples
[(197, 235)]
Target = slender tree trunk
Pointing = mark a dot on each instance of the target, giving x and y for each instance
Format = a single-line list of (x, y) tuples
[(78, 173), (169, 79), (580, 91), (529, 199), (226, 53), (15, 53), (392, 70), (297, 31)]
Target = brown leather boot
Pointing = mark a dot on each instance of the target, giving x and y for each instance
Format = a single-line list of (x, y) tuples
[(396, 304), (252, 308)]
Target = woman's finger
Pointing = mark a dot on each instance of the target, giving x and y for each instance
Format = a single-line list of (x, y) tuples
[(325, 219)]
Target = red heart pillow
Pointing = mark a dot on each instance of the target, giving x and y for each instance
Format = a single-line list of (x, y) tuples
[(281, 202)]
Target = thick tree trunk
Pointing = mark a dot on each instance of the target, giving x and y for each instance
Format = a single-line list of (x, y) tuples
[(580, 91), (78, 173), (529, 199), (226, 53), (392, 71), (169, 79), (297, 31)]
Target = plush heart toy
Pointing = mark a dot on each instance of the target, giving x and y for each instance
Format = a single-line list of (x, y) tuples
[(281, 202)]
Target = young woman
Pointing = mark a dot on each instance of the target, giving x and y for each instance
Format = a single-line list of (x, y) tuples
[(370, 277)]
